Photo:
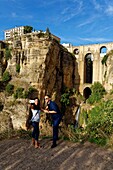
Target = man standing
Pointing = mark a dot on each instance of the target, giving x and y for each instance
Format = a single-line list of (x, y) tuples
[(53, 109)]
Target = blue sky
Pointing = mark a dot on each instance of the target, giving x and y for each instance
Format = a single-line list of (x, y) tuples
[(77, 22)]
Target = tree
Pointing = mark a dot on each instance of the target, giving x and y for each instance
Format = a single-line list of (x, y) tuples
[(8, 53), (27, 29), (48, 31)]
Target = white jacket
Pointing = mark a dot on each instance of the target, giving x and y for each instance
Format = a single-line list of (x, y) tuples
[(36, 115)]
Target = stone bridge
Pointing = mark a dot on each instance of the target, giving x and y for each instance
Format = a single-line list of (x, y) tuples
[(90, 67)]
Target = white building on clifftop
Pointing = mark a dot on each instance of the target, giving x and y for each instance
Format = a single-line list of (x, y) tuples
[(14, 31)]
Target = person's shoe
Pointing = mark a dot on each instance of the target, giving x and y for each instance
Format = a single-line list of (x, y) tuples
[(37, 145), (52, 139), (53, 145), (33, 142), (58, 139)]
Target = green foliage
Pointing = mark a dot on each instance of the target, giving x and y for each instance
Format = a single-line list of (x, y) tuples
[(27, 29), (25, 94), (97, 93), (8, 53), (48, 32), (65, 97), (83, 117), (19, 93), (6, 76), (111, 92), (9, 89), (99, 125), (41, 34), (100, 122), (98, 141), (104, 60), (31, 90), (17, 68), (75, 134)]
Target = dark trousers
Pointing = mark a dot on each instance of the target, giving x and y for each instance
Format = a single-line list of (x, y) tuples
[(56, 123), (35, 132)]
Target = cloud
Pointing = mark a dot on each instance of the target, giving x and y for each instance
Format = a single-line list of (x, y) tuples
[(106, 7), (95, 39), (14, 15), (79, 40), (97, 6), (88, 21), (104, 29), (109, 10), (46, 3), (71, 10)]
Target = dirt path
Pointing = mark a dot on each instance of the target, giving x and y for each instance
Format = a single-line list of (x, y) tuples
[(18, 154)]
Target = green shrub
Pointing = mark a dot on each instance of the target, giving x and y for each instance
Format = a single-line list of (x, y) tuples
[(100, 122), (8, 53), (74, 134), (18, 68), (98, 125), (104, 60), (31, 90), (25, 94), (9, 88), (19, 93), (65, 99), (6, 76), (97, 93), (83, 118)]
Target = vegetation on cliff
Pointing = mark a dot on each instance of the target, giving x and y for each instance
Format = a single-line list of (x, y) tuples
[(96, 119)]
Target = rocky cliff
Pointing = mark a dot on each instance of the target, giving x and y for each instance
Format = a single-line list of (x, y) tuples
[(44, 64)]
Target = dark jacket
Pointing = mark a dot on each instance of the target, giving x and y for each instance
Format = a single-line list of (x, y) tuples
[(53, 106)]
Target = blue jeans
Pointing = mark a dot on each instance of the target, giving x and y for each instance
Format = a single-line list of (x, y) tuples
[(35, 132), (56, 123)]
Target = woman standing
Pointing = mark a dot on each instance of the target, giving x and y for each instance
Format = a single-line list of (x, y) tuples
[(34, 116)]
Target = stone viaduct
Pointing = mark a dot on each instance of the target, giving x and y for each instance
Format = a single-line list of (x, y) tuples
[(90, 67)]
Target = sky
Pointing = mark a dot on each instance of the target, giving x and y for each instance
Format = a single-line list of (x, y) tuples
[(78, 22)]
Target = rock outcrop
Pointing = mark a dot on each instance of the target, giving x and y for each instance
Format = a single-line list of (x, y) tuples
[(44, 64)]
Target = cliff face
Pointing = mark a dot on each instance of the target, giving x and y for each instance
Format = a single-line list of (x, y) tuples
[(44, 64)]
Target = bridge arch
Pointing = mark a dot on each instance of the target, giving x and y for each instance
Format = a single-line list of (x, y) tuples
[(76, 51), (88, 68), (87, 92), (103, 49)]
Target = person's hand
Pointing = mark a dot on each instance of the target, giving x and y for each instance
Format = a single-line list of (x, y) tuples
[(44, 110)]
